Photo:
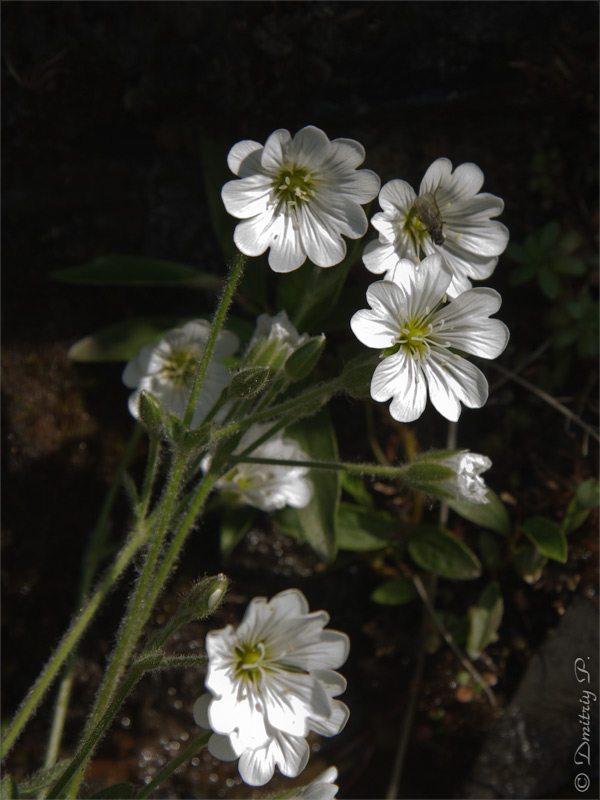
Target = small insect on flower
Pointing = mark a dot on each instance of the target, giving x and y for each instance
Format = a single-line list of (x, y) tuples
[(429, 213)]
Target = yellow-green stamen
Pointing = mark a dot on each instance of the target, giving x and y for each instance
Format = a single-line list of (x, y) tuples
[(179, 368)]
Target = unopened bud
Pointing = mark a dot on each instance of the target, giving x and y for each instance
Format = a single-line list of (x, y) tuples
[(205, 596), (305, 358), (249, 381), (150, 413)]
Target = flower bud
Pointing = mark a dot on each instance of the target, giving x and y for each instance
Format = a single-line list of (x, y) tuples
[(249, 381), (450, 475), (305, 358), (205, 596), (150, 413)]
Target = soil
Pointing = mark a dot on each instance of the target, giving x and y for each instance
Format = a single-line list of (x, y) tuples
[(108, 109)]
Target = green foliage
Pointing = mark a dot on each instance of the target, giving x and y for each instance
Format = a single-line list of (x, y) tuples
[(365, 529), (547, 257), (492, 515), (397, 592), (586, 498), (484, 619), (437, 551), (529, 562), (547, 536), (316, 524), (8, 788), (117, 269), (576, 323), (236, 521)]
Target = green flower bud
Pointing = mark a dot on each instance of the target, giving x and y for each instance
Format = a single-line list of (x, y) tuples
[(205, 597), (249, 381), (453, 474), (305, 358), (150, 413)]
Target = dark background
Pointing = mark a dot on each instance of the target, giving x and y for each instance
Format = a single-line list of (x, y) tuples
[(108, 112)]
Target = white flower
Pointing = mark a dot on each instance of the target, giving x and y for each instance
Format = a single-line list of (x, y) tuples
[(266, 486), (298, 196), (419, 336), (167, 369), (322, 788), (449, 216), (467, 483), (271, 683)]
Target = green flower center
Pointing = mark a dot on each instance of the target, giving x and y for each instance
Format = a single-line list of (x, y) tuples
[(180, 367), (292, 187), (249, 661), (412, 337)]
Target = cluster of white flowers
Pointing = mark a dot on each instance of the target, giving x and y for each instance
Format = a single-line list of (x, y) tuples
[(272, 681), (297, 197)]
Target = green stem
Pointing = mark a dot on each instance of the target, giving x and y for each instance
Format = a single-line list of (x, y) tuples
[(196, 744), (93, 556), (359, 469), (71, 637), (142, 604), (233, 279), (88, 745)]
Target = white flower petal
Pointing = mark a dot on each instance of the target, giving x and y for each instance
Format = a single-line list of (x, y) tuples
[(400, 378), (247, 197), (244, 157), (453, 381), (274, 151)]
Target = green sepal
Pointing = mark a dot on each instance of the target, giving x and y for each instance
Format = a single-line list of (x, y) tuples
[(249, 381), (151, 412), (419, 473), (187, 438), (484, 620), (301, 362), (204, 598)]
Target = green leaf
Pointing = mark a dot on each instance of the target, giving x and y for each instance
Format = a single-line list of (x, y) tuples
[(586, 498), (490, 549), (549, 283), (305, 358), (569, 265), (549, 235), (436, 551), (356, 489), (310, 294), (236, 521), (118, 791), (316, 524), (484, 620), (122, 341), (492, 515), (117, 269), (395, 593), (547, 536), (529, 562), (362, 529)]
